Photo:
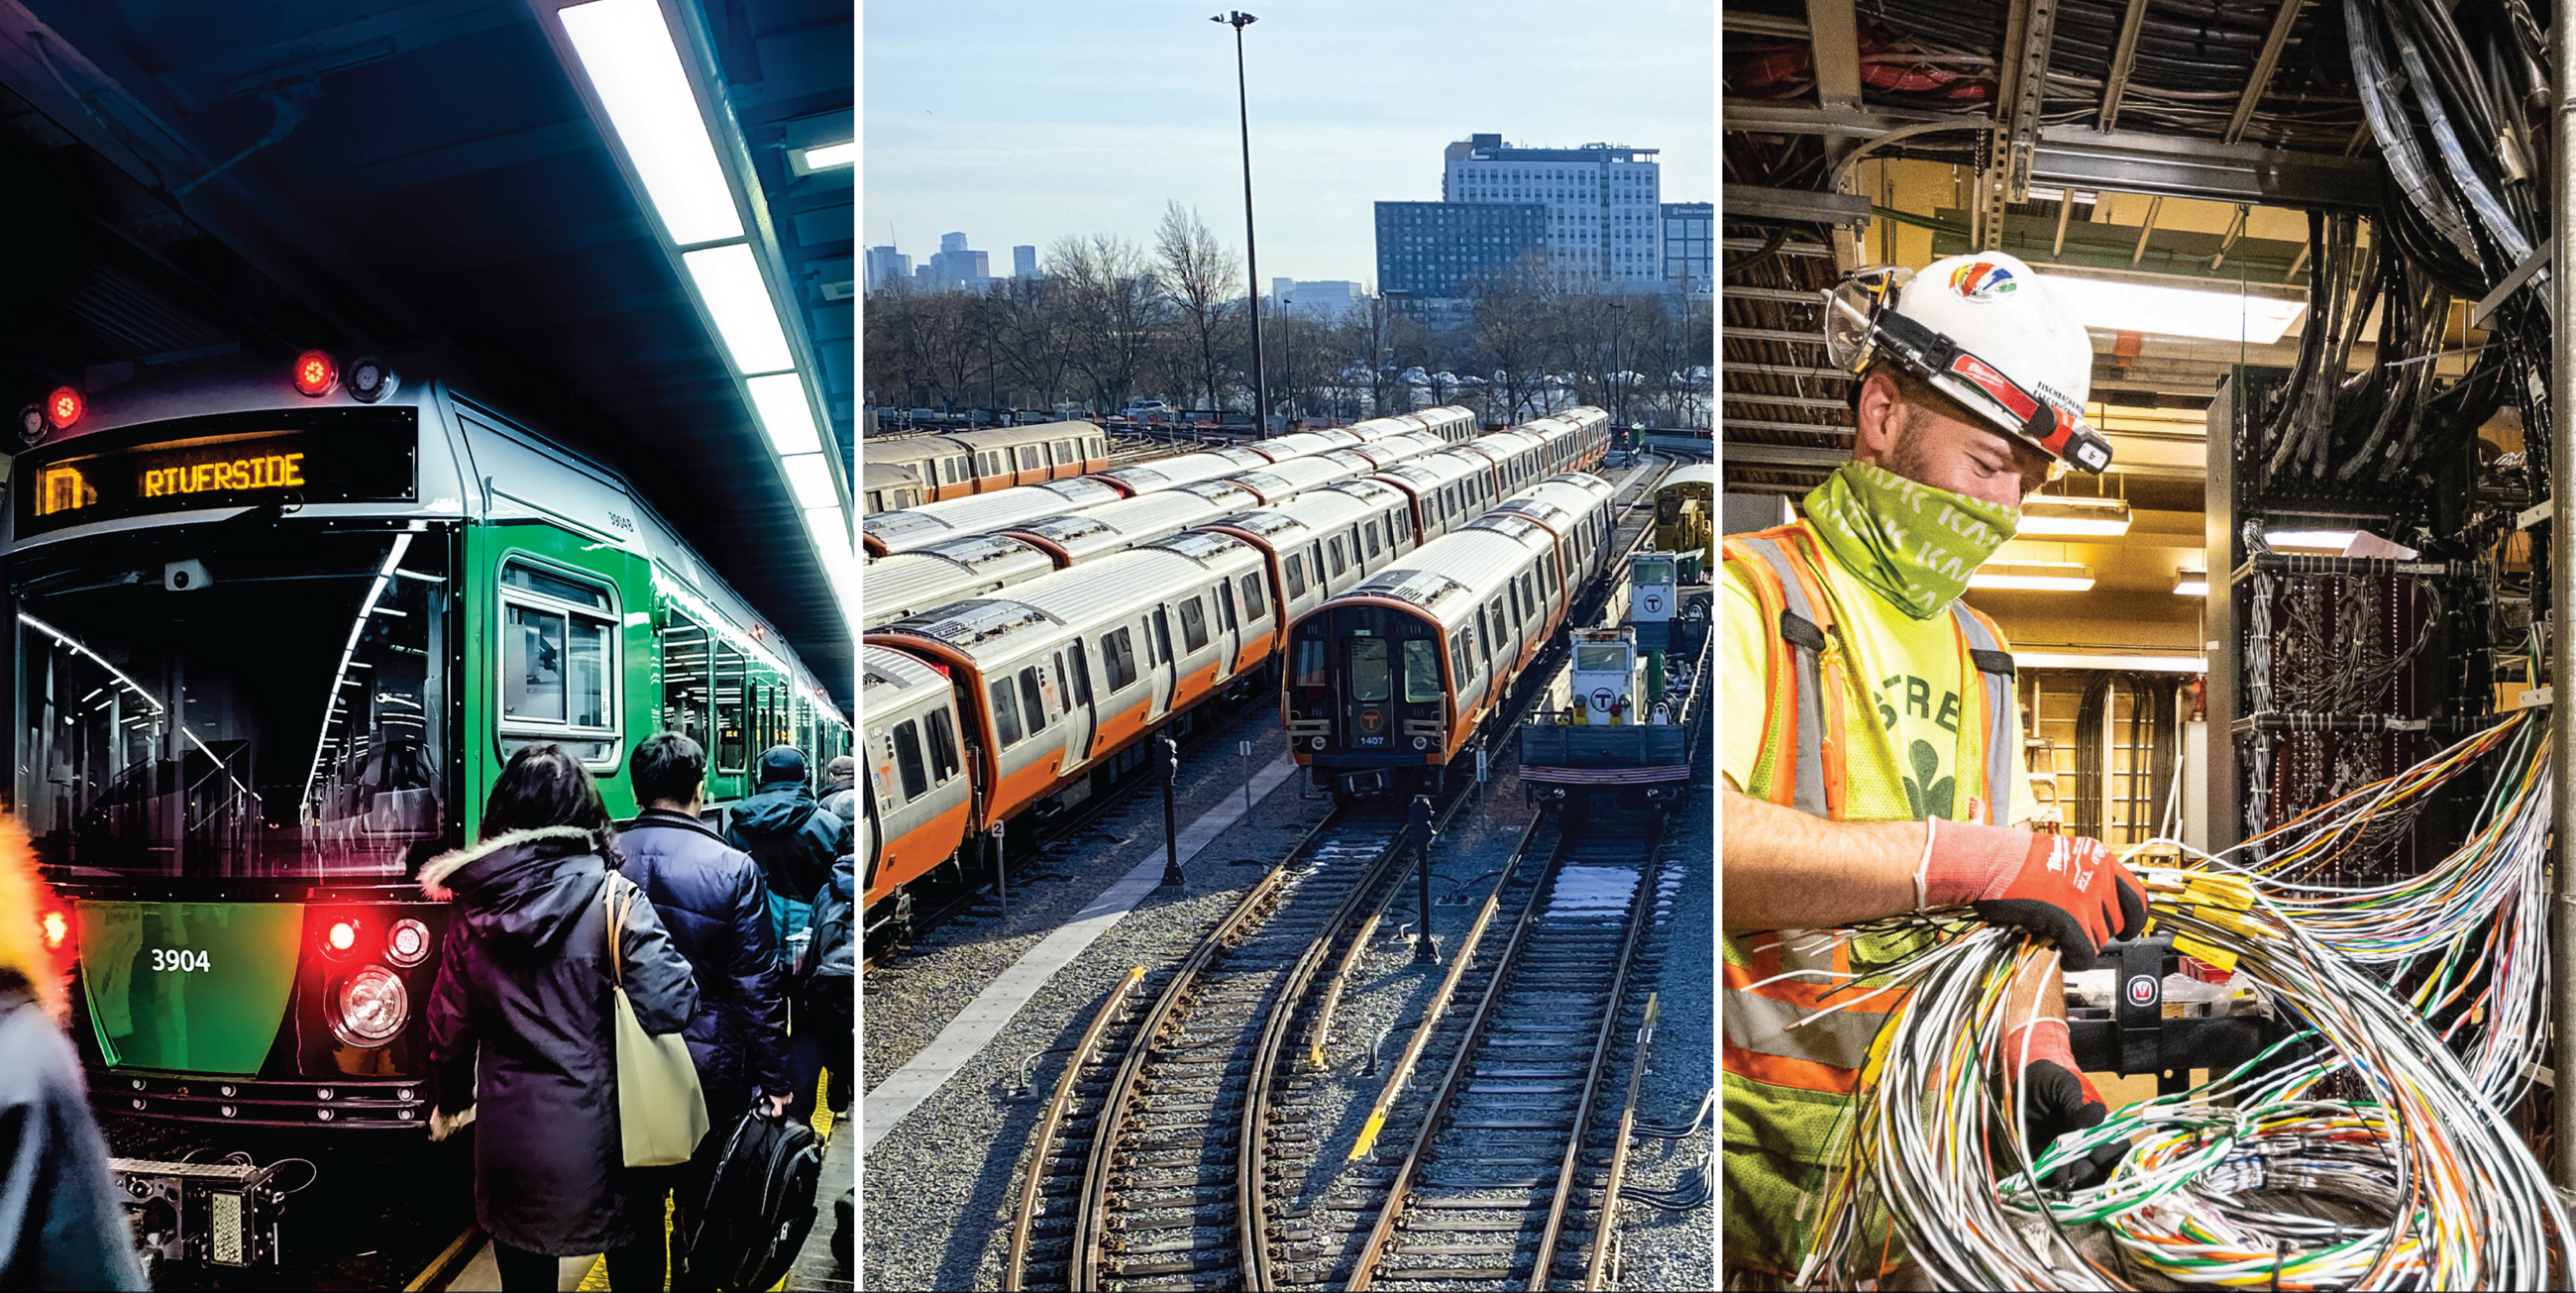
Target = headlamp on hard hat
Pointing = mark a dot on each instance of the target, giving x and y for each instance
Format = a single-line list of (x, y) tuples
[(1863, 326)]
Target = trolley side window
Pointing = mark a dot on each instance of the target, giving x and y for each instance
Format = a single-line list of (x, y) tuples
[(732, 742), (907, 761), (558, 662), (1006, 713)]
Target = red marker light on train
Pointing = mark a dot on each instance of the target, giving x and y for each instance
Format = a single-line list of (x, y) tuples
[(315, 374), (343, 936), (64, 407), (56, 927)]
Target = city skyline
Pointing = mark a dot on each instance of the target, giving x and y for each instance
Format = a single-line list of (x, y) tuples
[(1087, 134)]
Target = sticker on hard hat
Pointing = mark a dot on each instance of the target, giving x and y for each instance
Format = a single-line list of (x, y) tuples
[(1982, 281)]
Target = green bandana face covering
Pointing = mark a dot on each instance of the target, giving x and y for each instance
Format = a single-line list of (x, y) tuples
[(1913, 544)]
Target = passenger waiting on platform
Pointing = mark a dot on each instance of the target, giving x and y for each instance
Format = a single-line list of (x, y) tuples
[(840, 789), (62, 1219), (520, 1025), (711, 899), (795, 842)]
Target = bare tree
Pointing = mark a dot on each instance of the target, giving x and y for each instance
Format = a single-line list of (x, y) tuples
[(1510, 342), (1111, 310), (1202, 283)]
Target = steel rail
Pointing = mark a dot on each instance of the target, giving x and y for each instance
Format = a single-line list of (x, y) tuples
[(1090, 1212), (1015, 1269), (1608, 1222)]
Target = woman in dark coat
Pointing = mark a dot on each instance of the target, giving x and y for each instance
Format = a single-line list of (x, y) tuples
[(62, 1219), (525, 982)]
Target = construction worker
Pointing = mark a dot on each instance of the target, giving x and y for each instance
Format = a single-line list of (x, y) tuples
[(1873, 742)]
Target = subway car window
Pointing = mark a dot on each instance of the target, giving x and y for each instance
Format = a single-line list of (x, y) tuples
[(1254, 607), (1006, 713), (907, 761), (944, 763), (1118, 654), (1368, 669), (1194, 633), (1032, 700), (1421, 671)]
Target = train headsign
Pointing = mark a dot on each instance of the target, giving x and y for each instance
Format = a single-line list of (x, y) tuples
[(228, 460)]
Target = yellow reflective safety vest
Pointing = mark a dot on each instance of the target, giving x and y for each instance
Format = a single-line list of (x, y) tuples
[(1788, 1072)]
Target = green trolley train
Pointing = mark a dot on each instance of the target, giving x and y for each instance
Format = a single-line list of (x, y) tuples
[(276, 634)]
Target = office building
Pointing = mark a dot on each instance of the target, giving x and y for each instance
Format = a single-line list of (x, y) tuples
[(1602, 201), (1440, 249), (1690, 247), (1325, 301), (954, 267), (1024, 262), (886, 265)]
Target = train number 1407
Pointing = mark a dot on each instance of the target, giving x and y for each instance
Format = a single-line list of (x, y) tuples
[(181, 959)]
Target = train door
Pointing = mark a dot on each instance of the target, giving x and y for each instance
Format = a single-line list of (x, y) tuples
[(1073, 691), (1229, 631)]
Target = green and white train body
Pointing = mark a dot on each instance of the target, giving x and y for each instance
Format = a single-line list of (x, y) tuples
[(270, 654)]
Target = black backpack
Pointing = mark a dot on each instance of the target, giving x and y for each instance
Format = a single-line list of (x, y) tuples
[(758, 1206), (822, 974)]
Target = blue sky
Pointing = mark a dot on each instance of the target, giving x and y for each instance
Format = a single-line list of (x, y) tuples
[(1019, 121)]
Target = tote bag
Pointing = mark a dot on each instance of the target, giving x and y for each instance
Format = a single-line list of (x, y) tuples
[(661, 1112)]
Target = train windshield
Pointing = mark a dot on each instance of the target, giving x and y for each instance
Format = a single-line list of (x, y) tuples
[(207, 705)]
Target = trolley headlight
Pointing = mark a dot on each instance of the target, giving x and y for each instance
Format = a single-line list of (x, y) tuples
[(370, 380), (407, 943), (1315, 744), (372, 1007), (1422, 743)]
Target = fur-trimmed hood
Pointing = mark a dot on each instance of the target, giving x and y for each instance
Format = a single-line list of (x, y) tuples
[(527, 887), (434, 872)]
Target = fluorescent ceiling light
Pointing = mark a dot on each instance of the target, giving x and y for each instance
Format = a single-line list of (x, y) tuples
[(2314, 540), (2050, 515), (2134, 663), (2175, 311), (810, 475), (728, 281), (779, 399), (2034, 576), (2192, 584), (634, 67), (806, 161)]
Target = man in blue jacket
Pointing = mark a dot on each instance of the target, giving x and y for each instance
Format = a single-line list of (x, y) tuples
[(795, 842), (712, 901)]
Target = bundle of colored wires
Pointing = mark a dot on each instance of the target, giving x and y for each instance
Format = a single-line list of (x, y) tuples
[(2468, 931), (2450, 1197)]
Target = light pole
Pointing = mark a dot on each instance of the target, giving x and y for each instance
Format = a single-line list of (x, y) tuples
[(1239, 20)]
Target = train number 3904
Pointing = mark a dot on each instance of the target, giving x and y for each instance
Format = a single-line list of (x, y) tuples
[(181, 959)]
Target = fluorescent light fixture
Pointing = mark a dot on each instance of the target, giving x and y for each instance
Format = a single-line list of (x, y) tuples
[(810, 475), (2192, 584), (2034, 576), (2175, 311), (729, 282), (2313, 540), (830, 529), (2063, 516), (823, 157), (2133, 663), (779, 399), (634, 67)]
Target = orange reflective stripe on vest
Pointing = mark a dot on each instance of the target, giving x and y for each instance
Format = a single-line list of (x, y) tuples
[(1803, 765)]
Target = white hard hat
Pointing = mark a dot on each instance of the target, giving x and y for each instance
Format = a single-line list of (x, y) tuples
[(1983, 330)]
